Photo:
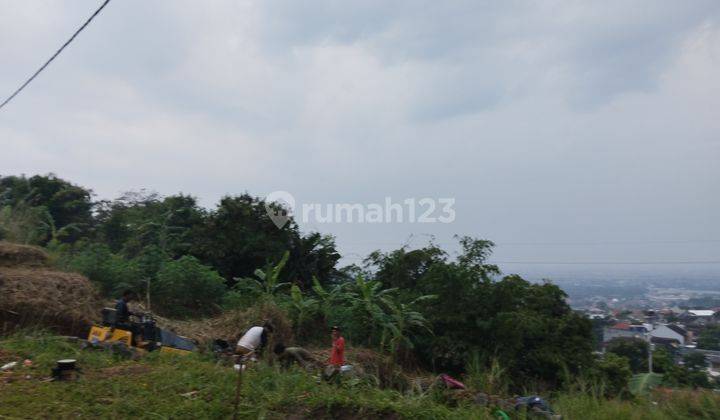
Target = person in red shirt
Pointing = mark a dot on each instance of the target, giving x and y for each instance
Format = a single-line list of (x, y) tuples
[(337, 357)]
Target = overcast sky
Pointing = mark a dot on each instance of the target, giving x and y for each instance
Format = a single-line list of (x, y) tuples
[(567, 131)]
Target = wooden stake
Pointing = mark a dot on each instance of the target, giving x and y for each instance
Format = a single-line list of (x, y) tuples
[(238, 386)]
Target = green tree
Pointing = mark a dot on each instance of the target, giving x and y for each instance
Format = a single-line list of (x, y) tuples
[(691, 374), (633, 349), (614, 373), (239, 235), (528, 329), (111, 272), (709, 338), (311, 256), (139, 219), (21, 223), (59, 206), (186, 287), (662, 360), (695, 361)]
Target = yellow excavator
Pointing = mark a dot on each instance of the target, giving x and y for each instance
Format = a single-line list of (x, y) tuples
[(141, 333)]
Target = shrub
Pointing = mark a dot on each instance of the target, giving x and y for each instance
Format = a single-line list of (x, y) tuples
[(614, 373), (185, 286), (111, 272)]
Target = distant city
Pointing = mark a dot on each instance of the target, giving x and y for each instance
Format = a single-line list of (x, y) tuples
[(677, 310)]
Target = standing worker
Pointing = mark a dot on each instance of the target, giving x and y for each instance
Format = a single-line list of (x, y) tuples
[(337, 357)]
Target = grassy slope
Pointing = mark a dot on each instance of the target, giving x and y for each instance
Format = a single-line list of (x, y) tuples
[(642, 383), (154, 386)]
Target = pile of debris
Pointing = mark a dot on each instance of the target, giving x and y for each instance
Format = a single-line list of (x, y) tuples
[(231, 325), (33, 295), (16, 255)]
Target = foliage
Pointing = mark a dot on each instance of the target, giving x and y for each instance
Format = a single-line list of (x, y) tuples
[(111, 272), (64, 208), (367, 301), (695, 361), (526, 328), (267, 283), (180, 250), (643, 383), (490, 379), (186, 287), (613, 373), (709, 338), (138, 220), (662, 360), (691, 374), (401, 323), (302, 308), (633, 349), (239, 235)]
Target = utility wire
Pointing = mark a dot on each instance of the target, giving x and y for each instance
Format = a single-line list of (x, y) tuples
[(55, 55)]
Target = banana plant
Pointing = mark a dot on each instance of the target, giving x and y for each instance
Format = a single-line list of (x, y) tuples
[(402, 323), (302, 307), (369, 299), (267, 284), (49, 229), (329, 297)]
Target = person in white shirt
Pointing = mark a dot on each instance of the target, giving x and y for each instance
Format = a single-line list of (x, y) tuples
[(253, 340)]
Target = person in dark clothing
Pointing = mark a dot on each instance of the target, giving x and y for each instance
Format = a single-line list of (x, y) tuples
[(122, 316), (122, 313)]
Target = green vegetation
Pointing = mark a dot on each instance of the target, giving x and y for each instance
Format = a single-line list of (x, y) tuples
[(642, 383), (690, 374), (162, 386), (709, 338), (196, 386), (421, 309), (634, 350), (185, 284)]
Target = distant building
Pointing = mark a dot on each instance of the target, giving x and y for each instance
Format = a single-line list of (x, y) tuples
[(701, 313), (698, 317), (670, 344), (624, 330), (671, 332)]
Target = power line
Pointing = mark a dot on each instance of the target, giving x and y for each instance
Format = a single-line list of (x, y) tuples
[(27, 82)]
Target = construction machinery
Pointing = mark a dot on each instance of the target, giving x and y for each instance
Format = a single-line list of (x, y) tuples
[(141, 333)]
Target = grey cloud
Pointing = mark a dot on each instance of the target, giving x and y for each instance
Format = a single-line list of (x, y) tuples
[(548, 121)]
